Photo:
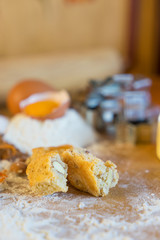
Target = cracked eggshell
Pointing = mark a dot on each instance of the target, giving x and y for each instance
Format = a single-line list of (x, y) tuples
[(23, 90), (61, 97)]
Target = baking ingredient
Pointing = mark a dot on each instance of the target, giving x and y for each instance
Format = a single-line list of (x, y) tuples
[(41, 109), (4, 121), (46, 172), (47, 105), (17, 159), (23, 90), (58, 167), (89, 173), (38, 100), (131, 211), (26, 133)]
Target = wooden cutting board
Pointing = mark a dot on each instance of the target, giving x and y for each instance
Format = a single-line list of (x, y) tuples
[(130, 211)]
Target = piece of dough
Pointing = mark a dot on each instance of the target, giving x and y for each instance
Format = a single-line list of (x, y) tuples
[(46, 172), (88, 173)]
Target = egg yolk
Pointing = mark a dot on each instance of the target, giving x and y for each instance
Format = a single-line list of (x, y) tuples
[(41, 109)]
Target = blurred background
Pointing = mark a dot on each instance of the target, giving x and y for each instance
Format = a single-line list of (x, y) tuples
[(67, 42)]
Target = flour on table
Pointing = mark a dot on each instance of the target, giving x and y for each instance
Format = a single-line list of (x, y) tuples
[(129, 212)]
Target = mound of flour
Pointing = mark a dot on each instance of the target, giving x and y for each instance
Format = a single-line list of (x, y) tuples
[(26, 133)]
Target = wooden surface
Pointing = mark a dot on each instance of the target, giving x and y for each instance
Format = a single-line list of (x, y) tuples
[(155, 89), (48, 26), (68, 70), (131, 210)]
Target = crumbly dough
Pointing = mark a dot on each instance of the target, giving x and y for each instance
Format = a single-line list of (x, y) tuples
[(85, 172), (130, 211), (88, 173), (46, 172), (42, 150)]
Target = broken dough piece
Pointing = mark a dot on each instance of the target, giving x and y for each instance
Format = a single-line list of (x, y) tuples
[(46, 172), (41, 150), (88, 173)]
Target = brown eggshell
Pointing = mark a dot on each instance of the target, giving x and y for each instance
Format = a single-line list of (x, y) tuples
[(57, 113), (23, 90)]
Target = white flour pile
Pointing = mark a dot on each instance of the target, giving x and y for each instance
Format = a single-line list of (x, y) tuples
[(26, 133), (131, 211), (4, 121)]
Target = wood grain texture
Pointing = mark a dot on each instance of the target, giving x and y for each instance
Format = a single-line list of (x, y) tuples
[(70, 71), (147, 40), (36, 26), (130, 211)]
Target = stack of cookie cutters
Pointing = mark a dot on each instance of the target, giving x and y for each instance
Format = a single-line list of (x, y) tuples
[(121, 106)]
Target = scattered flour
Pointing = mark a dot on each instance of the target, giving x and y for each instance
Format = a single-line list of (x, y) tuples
[(131, 211)]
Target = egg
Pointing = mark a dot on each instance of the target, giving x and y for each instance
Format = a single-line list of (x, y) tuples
[(47, 105), (37, 100), (23, 90)]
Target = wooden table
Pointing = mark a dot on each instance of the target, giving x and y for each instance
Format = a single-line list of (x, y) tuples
[(155, 89), (130, 211)]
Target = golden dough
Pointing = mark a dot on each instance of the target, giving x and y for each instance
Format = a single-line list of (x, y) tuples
[(46, 172), (88, 173)]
